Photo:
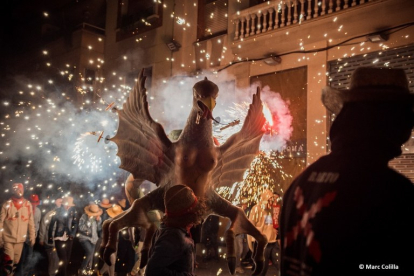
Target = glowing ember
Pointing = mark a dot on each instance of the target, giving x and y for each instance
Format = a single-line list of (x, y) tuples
[(269, 126), (267, 114)]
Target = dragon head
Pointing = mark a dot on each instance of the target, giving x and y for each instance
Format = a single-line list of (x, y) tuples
[(205, 93)]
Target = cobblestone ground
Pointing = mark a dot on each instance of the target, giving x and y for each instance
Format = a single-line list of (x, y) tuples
[(212, 267), (219, 267)]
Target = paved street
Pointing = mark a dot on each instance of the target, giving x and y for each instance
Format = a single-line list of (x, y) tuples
[(215, 268)]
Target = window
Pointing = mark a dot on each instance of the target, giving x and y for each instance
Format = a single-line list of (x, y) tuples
[(212, 18), (137, 16)]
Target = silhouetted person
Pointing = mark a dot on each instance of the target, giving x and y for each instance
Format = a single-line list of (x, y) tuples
[(349, 211), (172, 251), (210, 229), (53, 259), (62, 230), (110, 269)]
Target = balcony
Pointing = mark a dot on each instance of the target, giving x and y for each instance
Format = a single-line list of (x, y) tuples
[(283, 26)]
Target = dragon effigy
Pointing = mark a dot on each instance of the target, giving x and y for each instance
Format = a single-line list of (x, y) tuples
[(193, 160)]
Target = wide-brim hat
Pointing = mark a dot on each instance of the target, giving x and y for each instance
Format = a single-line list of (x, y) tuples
[(105, 203), (114, 210), (122, 202), (93, 210), (68, 201), (370, 84), (179, 201)]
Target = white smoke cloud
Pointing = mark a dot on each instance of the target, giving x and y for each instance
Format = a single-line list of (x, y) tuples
[(172, 102), (51, 133)]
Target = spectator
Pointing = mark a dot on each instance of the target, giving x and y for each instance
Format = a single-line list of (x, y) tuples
[(90, 226), (138, 241), (53, 259), (172, 251), (126, 253), (111, 212), (16, 221), (348, 211), (210, 229), (261, 216), (241, 241), (27, 259), (62, 230), (104, 205)]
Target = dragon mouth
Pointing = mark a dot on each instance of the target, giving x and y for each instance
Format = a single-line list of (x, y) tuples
[(205, 111)]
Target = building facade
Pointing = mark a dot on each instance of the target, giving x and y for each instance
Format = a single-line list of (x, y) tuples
[(294, 46)]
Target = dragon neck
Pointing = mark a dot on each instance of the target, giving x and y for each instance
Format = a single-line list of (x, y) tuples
[(199, 133)]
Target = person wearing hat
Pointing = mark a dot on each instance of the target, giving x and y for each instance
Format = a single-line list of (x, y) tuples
[(172, 251), (53, 259), (62, 230), (35, 201), (105, 204), (26, 263), (112, 212), (349, 212), (16, 222), (90, 226)]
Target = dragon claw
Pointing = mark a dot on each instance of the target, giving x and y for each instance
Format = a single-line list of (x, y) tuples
[(231, 262), (257, 267), (107, 255), (144, 258), (101, 252)]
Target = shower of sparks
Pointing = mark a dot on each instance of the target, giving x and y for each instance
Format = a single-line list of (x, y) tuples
[(265, 172), (44, 125)]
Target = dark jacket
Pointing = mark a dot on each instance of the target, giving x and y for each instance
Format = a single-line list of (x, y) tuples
[(63, 221), (172, 253), (86, 226), (349, 211)]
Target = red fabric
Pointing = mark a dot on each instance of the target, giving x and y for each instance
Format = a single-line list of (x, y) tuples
[(17, 202), (181, 212), (276, 213), (34, 200)]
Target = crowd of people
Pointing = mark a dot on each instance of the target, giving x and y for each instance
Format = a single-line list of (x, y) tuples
[(348, 213), (30, 236), (27, 236)]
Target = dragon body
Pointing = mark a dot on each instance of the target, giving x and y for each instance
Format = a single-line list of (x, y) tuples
[(193, 160)]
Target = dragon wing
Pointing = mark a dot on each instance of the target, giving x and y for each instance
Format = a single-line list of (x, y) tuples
[(143, 146), (236, 154)]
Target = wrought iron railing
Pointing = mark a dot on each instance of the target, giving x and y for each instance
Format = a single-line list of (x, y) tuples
[(280, 13)]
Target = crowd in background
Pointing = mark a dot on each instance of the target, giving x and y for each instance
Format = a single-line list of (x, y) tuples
[(64, 237), (331, 220)]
